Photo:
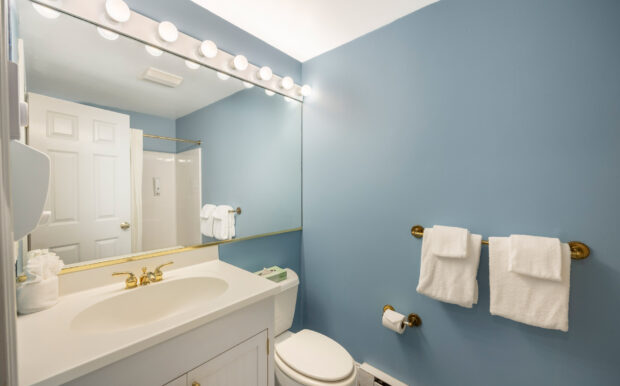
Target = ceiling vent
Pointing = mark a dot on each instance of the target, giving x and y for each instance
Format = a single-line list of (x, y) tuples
[(162, 77)]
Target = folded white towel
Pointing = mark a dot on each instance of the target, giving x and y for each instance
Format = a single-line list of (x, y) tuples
[(33, 296), (206, 220), (450, 241), (446, 279), (525, 299), (536, 256), (223, 222)]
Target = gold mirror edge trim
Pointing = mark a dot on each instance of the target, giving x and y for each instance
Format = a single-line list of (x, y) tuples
[(127, 259)]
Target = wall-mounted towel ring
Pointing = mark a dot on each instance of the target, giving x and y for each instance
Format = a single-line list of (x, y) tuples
[(578, 250), (238, 210), (412, 320)]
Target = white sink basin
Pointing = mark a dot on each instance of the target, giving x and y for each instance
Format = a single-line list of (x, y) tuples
[(143, 305)]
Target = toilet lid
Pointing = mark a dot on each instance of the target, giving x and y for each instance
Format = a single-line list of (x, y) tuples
[(315, 356)]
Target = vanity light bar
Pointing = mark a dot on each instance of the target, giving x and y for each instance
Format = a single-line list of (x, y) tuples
[(109, 14)]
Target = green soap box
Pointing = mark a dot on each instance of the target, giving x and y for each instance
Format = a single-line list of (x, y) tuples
[(274, 273)]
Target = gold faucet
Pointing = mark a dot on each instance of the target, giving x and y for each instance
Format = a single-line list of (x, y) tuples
[(159, 275), (130, 282), (146, 277)]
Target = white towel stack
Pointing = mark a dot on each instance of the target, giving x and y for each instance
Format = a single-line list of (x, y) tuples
[(206, 220), (449, 265), (224, 222), (529, 280), (40, 290)]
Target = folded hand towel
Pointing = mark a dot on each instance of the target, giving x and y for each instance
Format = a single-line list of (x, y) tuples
[(223, 222), (33, 296), (536, 256), (206, 220), (446, 279), (525, 299), (450, 241)]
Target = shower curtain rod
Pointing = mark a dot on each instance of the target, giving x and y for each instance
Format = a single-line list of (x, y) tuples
[(171, 139)]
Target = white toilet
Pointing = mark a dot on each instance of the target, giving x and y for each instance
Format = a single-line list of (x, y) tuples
[(306, 358)]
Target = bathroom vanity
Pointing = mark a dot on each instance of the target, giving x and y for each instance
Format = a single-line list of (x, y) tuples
[(207, 323)]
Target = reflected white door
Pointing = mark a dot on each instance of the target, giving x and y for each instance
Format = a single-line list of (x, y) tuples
[(89, 195)]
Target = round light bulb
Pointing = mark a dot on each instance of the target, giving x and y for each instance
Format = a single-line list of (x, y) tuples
[(270, 93), (153, 51), (168, 32), (247, 85), (306, 90), (208, 49), (222, 76), (265, 73), (117, 10), (192, 65), (107, 34), (240, 63), (287, 83), (46, 12)]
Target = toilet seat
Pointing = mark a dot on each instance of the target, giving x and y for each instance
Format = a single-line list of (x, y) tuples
[(312, 359)]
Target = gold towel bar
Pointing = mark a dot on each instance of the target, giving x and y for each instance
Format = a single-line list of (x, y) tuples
[(578, 250), (238, 210), (171, 139)]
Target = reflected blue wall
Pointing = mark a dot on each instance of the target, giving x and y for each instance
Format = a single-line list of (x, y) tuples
[(498, 115), (251, 146)]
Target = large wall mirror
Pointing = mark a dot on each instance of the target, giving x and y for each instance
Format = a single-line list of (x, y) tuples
[(141, 140)]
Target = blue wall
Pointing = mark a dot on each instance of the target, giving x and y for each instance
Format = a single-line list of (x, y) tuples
[(251, 157), (202, 24), (253, 255), (497, 115)]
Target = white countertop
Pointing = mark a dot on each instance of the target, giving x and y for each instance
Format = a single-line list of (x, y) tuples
[(50, 353)]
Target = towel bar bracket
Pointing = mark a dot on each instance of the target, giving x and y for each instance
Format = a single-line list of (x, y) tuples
[(578, 250)]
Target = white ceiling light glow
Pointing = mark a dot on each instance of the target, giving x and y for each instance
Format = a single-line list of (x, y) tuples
[(306, 90), (168, 32), (223, 76), (117, 10), (270, 93), (208, 49), (287, 83), (247, 84), (107, 34), (46, 12), (192, 65), (153, 51), (265, 73), (240, 63)]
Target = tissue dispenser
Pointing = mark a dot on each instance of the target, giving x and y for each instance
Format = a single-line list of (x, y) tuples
[(274, 273)]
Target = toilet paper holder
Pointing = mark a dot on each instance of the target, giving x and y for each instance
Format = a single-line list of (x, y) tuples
[(413, 320)]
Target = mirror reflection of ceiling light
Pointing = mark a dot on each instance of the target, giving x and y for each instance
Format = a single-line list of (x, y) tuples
[(265, 73), (153, 51), (222, 76), (208, 49), (287, 99), (192, 65), (247, 85), (306, 90), (168, 32), (107, 34), (269, 92), (287, 83), (240, 63), (162, 77), (46, 12), (117, 10)]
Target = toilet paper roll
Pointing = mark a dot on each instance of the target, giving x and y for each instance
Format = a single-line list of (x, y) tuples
[(394, 321)]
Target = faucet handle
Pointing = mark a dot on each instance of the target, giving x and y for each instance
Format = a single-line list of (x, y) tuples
[(159, 275), (130, 282)]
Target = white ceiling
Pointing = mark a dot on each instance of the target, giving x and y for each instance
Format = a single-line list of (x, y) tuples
[(66, 58), (304, 29)]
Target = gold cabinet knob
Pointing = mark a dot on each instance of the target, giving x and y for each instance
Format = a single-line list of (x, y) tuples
[(125, 225)]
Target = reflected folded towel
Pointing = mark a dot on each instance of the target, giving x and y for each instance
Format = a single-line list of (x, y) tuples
[(206, 220), (223, 222), (450, 241), (525, 299), (536, 256), (447, 279)]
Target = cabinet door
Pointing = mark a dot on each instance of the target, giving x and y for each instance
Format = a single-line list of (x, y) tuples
[(242, 365), (180, 381)]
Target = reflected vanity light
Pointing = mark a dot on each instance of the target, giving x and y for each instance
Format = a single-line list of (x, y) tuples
[(117, 10), (287, 99), (269, 92), (168, 32), (191, 65), (208, 49), (153, 51), (240, 63), (46, 12), (264, 73), (107, 34), (247, 84), (287, 83), (222, 76), (305, 90)]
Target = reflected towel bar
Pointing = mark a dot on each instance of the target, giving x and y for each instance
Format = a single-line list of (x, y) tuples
[(171, 139), (578, 250), (238, 210)]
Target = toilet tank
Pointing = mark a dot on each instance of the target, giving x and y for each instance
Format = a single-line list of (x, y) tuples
[(285, 302)]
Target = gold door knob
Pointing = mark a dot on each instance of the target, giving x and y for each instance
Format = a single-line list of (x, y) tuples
[(125, 225), (195, 383)]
